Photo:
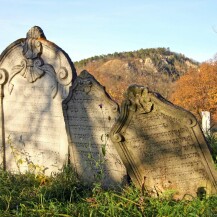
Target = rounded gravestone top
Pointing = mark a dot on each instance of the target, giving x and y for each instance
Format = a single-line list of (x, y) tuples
[(35, 32)]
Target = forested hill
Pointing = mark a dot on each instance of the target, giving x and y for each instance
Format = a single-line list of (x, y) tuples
[(156, 68)]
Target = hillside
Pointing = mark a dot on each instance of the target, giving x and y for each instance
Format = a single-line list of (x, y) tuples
[(156, 68)]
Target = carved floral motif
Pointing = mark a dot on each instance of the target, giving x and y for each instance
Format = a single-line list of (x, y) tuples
[(138, 99)]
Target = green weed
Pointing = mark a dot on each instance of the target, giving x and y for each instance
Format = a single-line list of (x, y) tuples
[(212, 141), (63, 195)]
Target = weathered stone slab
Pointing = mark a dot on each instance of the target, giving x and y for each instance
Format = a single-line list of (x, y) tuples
[(162, 146), (89, 115), (37, 75), (206, 122)]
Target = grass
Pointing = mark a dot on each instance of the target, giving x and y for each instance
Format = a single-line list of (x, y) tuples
[(63, 195)]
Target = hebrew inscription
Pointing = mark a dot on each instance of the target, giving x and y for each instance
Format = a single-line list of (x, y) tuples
[(39, 75), (90, 114), (162, 146)]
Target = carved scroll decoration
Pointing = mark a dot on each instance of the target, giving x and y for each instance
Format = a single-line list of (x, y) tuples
[(32, 67), (3, 80)]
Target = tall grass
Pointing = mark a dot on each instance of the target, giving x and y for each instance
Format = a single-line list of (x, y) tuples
[(62, 194)]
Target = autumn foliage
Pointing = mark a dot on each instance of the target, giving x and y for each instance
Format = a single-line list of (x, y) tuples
[(197, 90), (115, 77), (156, 68)]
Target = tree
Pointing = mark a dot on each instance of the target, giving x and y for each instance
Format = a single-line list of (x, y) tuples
[(197, 89)]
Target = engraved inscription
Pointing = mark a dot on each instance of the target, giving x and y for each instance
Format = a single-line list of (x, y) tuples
[(35, 130), (90, 115), (162, 146), (166, 151)]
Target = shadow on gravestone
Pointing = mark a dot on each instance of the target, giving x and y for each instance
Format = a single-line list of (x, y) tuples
[(162, 146), (37, 75), (89, 115)]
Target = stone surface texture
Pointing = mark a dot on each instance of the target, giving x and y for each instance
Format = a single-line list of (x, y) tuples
[(89, 115), (37, 75), (162, 146)]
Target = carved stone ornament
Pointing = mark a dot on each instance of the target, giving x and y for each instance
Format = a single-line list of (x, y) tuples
[(3, 76), (162, 146), (40, 56), (89, 115)]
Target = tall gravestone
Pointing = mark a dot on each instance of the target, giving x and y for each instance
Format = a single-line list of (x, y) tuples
[(162, 146), (89, 115), (35, 75)]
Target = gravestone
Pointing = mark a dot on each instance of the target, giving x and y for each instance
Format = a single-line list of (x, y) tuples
[(162, 146), (35, 75), (206, 122), (89, 115)]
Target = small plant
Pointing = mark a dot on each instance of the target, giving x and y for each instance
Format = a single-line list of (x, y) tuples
[(96, 160), (104, 136), (63, 195), (23, 162), (212, 141)]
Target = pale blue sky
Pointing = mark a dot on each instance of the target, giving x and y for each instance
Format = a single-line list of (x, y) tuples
[(84, 28)]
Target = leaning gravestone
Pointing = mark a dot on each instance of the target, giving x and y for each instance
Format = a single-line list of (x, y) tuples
[(162, 146), (35, 76), (89, 115)]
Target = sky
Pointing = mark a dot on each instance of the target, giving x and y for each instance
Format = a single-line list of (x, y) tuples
[(85, 28)]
